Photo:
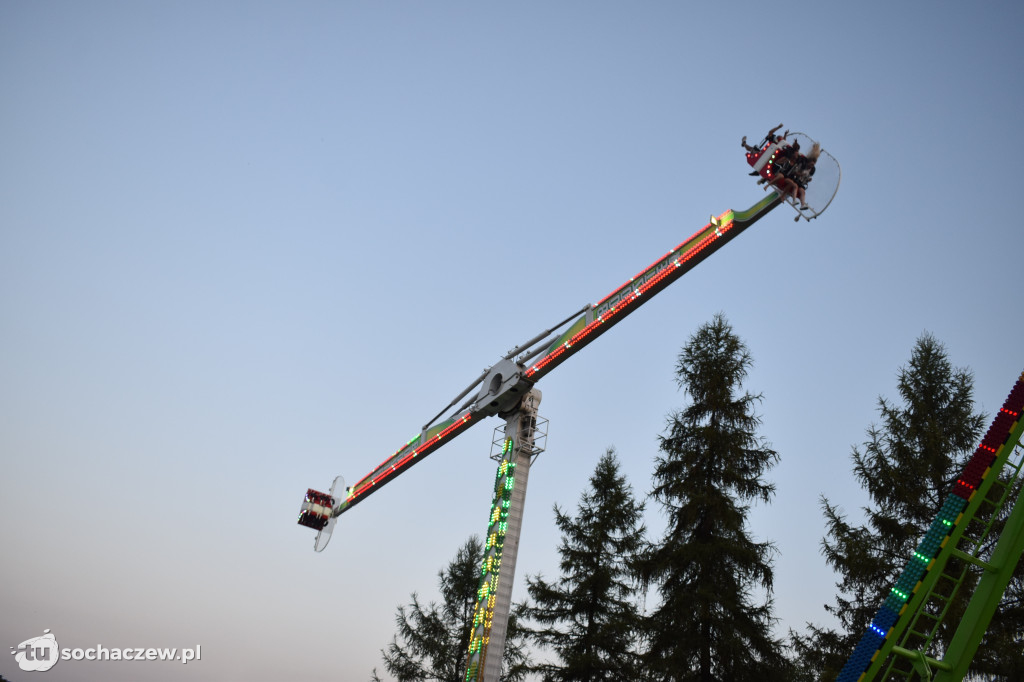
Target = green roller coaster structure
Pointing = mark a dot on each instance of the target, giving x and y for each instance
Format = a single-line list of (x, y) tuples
[(971, 549)]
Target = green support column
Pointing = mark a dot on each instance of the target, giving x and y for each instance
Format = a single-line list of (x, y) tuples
[(986, 596)]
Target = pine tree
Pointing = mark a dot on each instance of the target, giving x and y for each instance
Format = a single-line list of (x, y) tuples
[(591, 614), (907, 467), (709, 626), (432, 641)]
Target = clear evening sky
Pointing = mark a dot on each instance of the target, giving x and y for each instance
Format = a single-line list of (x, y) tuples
[(247, 246)]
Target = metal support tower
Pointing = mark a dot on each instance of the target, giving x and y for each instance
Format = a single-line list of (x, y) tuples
[(520, 446)]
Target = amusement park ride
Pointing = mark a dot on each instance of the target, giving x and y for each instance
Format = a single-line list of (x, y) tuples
[(507, 389)]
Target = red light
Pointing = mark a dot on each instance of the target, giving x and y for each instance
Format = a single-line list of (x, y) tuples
[(635, 293), (395, 467)]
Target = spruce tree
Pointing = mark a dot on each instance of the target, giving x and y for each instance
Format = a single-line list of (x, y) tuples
[(432, 642), (709, 625), (590, 614), (907, 467)]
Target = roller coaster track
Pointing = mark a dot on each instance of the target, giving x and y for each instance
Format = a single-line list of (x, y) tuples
[(970, 550)]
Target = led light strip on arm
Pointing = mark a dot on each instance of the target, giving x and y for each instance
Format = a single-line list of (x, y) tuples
[(406, 456), (615, 306)]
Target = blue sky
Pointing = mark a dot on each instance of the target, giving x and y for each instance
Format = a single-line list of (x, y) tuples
[(245, 247)]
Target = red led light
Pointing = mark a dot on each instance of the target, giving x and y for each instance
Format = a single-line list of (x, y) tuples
[(392, 467), (629, 299)]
